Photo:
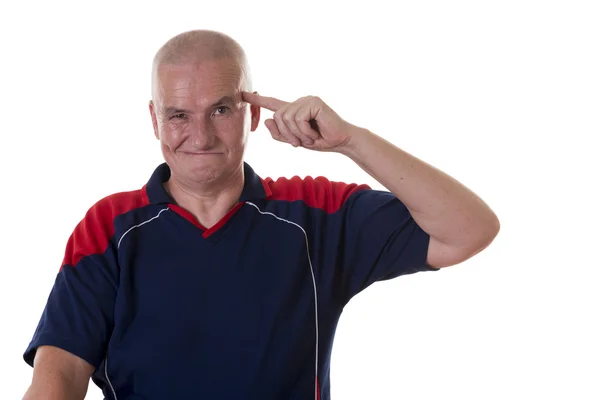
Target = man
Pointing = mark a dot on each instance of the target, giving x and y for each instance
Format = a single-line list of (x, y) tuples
[(210, 282)]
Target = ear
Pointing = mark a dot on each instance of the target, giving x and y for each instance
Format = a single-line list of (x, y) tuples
[(255, 116), (154, 120)]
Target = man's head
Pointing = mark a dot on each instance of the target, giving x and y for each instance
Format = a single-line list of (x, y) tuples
[(197, 109)]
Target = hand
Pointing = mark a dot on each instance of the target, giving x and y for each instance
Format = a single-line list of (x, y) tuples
[(307, 122)]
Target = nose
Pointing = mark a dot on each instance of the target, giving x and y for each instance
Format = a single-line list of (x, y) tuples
[(202, 135)]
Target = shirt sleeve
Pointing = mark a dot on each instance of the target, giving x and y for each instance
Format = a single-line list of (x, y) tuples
[(78, 315), (380, 241)]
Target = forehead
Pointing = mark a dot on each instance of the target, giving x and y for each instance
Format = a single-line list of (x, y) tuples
[(199, 79)]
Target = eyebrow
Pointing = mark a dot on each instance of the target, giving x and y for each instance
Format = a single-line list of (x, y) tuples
[(177, 110), (223, 100)]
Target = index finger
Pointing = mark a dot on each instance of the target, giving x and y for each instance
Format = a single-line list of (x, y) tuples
[(270, 103)]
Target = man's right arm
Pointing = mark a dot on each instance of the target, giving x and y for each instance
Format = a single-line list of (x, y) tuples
[(72, 336), (58, 375)]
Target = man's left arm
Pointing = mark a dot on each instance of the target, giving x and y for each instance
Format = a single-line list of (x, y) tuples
[(459, 222)]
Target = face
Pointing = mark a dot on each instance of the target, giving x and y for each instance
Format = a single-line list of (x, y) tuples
[(201, 121)]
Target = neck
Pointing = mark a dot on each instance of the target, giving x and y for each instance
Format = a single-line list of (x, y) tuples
[(209, 203)]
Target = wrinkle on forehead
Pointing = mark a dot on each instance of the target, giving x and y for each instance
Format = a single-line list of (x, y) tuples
[(198, 85)]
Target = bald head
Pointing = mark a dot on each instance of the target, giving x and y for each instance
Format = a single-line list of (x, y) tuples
[(197, 47)]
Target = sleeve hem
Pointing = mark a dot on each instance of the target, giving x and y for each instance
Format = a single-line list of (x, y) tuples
[(65, 343), (424, 266)]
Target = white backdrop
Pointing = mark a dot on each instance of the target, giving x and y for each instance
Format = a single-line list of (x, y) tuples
[(504, 96)]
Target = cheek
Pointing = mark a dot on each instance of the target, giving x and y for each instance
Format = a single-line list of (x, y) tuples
[(233, 134), (171, 135)]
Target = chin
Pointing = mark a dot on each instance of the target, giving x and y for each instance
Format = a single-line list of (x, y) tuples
[(203, 173), (199, 169)]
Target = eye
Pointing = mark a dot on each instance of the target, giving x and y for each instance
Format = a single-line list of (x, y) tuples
[(178, 116), (225, 109)]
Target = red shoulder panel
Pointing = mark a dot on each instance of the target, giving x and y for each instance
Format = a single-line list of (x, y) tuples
[(315, 192), (92, 234)]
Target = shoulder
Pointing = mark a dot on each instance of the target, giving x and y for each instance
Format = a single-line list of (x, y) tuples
[(105, 210), (316, 192), (95, 230)]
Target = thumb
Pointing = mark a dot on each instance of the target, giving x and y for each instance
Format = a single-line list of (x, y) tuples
[(272, 127)]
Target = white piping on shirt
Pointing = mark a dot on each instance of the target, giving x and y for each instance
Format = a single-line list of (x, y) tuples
[(119, 245), (108, 380), (138, 225), (312, 273)]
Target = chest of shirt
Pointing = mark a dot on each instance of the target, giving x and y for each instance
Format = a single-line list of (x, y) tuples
[(251, 274), (235, 307)]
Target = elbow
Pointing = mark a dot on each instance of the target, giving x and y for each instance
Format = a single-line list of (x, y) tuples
[(488, 233), (493, 229), (442, 254), (482, 238)]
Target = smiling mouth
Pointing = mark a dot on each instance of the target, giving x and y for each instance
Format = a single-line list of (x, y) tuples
[(201, 153)]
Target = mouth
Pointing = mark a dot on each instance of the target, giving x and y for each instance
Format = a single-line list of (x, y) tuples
[(200, 153)]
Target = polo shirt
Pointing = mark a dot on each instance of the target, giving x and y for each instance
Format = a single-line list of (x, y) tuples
[(164, 308)]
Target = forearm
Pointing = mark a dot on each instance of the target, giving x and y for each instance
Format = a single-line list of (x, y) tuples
[(440, 205), (49, 384)]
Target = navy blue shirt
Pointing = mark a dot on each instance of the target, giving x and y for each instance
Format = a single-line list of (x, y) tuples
[(166, 309)]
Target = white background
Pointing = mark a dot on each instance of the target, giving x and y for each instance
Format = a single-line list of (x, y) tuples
[(504, 96)]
